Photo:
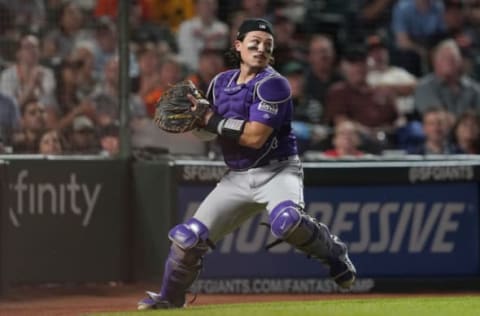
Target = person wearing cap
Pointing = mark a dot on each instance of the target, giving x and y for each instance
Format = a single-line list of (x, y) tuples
[(110, 140), (372, 109), (250, 115), (307, 110), (83, 138)]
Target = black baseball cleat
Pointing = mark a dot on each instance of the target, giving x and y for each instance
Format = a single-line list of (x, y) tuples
[(343, 271), (156, 301)]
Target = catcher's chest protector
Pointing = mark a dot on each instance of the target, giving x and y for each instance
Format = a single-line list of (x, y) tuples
[(232, 100)]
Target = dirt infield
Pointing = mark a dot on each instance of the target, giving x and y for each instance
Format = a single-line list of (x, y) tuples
[(78, 300)]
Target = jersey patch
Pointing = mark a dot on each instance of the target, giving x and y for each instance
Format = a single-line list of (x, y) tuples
[(271, 108)]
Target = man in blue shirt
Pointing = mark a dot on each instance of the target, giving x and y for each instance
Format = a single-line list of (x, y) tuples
[(416, 26)]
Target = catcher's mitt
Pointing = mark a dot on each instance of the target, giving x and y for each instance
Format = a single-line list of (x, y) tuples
[(174, 112)]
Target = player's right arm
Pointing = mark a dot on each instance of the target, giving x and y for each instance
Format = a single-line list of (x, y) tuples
[(254, 134)]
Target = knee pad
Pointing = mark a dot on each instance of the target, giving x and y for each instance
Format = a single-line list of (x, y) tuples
[(289, 223), (284, 219), (189, 234)]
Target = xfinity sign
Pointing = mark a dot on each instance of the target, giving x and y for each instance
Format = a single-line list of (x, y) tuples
[(57, 198)]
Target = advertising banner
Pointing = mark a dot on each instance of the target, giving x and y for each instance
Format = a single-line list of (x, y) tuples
[(67, 220), (426, 230)]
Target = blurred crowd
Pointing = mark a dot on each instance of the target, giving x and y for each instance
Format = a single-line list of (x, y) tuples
[(367, 76)]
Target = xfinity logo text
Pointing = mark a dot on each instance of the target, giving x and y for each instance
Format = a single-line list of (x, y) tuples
[(52, 198)]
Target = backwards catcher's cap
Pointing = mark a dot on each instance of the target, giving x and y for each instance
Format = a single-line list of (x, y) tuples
[(250, 25)]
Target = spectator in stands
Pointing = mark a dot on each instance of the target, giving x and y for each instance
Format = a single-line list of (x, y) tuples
[(394, 80), (105, 42), (69, 31), (27, 79), (210, 63), (72, 101), (234, 20), (346, 141), (472, 11), (33, 123), (375, 15), (466, 37), (83, 137), (447, 86), (147, 84), (256, 9), (169, 13), (466, 133), (372, 109), (109, 140), (203, 31), (155, 77), (106, 97), (9, 36), (9, 119), (29, 15), (307, 111), (86, 77), (288, 44), (416, 25), (68, 91), (143, 30), (436, 128), (321, 72), (50, 143)]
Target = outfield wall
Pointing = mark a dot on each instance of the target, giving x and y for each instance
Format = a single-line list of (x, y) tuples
[(73, 220), (403, 220)]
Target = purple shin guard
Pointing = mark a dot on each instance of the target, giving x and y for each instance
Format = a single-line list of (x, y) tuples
[(289, 223), (292, 225), (184, 262)]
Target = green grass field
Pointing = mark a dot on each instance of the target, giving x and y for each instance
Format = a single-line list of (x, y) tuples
[(421, 306)]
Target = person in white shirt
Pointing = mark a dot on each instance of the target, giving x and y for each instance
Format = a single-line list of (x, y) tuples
[(27, 79), (392, 79), (203, 31)]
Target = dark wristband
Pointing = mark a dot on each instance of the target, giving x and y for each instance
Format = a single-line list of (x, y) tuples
[(213, 123), (227, 127)]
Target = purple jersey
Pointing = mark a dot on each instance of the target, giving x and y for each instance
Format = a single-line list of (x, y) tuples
[(265, 99)]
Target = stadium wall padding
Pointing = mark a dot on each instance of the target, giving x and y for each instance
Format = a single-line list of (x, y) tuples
[(79, 220), (66, 221)]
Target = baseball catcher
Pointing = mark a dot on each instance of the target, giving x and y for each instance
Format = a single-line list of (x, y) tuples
[(175, 112), (251, 113)]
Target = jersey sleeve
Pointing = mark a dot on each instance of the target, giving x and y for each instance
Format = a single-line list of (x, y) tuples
[(272, 102)]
